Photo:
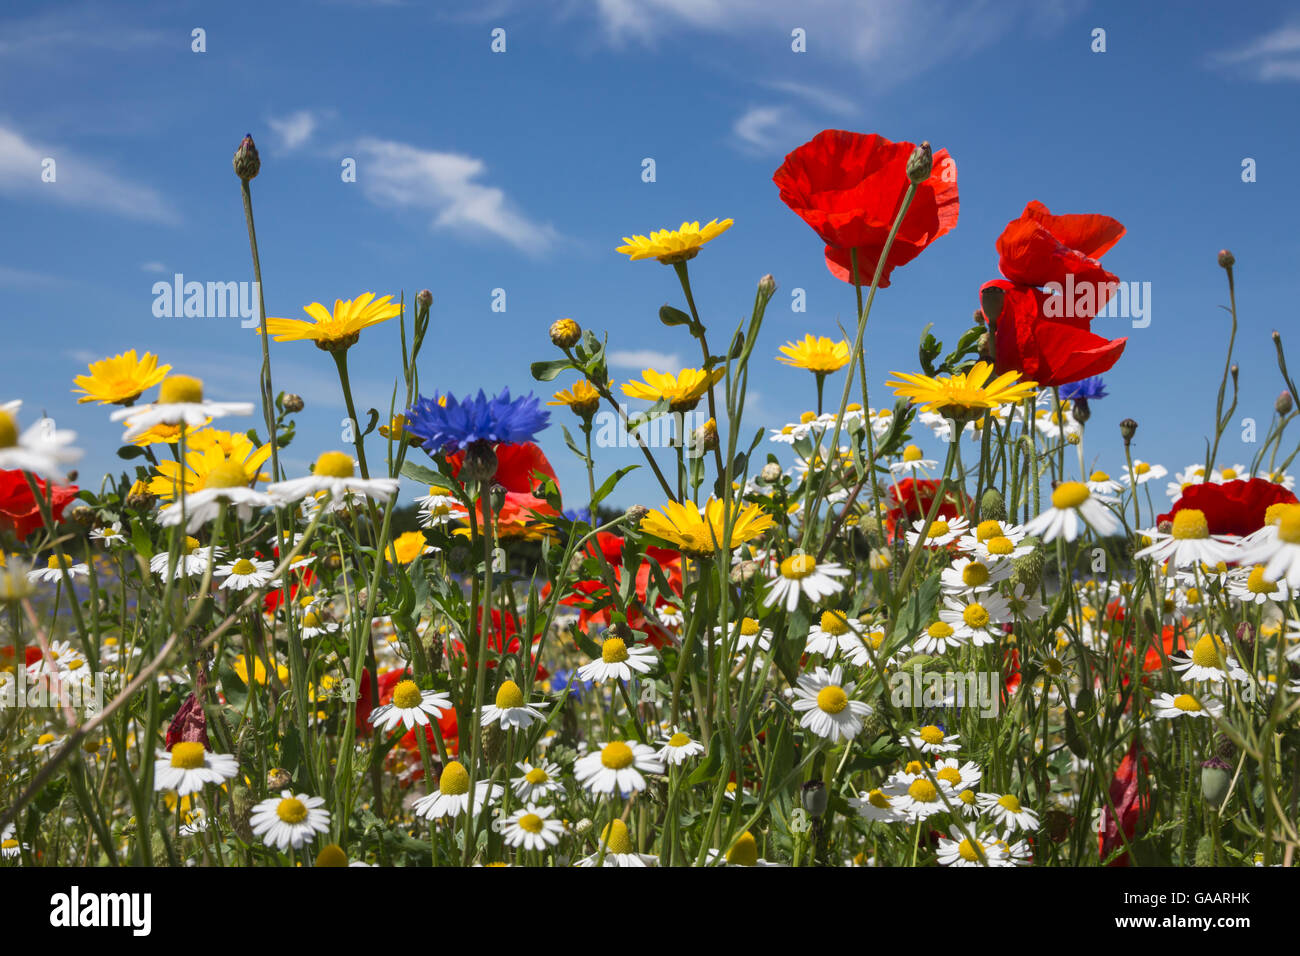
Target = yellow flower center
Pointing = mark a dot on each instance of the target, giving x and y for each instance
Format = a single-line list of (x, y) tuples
[(967, 797), (531, 823), (878, 799), (749, 627), (1193, 596), (191, 545), (974, 574), (1208, 652), (332, 855), (1229, 473), (188, 755), (988, 529), (968, 851), (931, 734), (58, 562), (1070, 494), (335, 464), (679, 739), (9, 845), (744, 852), (832, 699), (1288, 526), (950, 774), (617, 838), (180, 389), (243, 566), (613, 651), (1186, 702), (1190, 524), (1000, 544), (1099, 476), (291, 810), (228, 474), (407, 695), (975, 616), (311, 619), (454, 779), (923, 791), (806, 417), (44, 739), (798, 566), (1256, 583), (913, 767), (8, 430), (939, 629), (617, 755), (938, 529), (1141, 468), (911, 453), (536, 775), (1010, 802), (509, 696), (834, 623)]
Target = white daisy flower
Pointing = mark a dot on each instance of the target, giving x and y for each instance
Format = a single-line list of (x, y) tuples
[(617, 765), (41, 450), (192, 561), (314, 624), (959, 776), (1104, 486), (1143, 472), (451, 799), (436, 509), (108, 535), (825, 702), (1188, 542), (943, 531), (188, 768), (410, 706), (10, 846), (532, 828), (292, 820), (616, 840), (52, 573), (678, 747), (749, 632), (1209, 661), (877, 806), (1006, 811), (537, 781), (784, 435), (225, 485), (958, 849), (882, 420), (1168, 706), (977, 618), (617, 661), (335, 475), (511, 711), (1230, 473), (246, 574), (938, 638), (801, 574), (912, 462), (930, 739), (832, 632), (180, 402), (921, 798), (1073, 508), (1278, 552), (968, 575), (1023, 604), (670, 615), (866, 648)]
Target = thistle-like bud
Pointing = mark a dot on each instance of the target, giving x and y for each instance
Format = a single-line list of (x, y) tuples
[(767, 285), (293, 403), (1216, 781), (1127, 429), (744, 571), (498, 493), (1283, 405), (706, 436), (480, 462), (247, 163), (993, 505), (1027, 570), (82, 514), (565, 333), (1081, 411), (636, 513), (1226, 259), (424, 298), (770, 474), (920, 163)]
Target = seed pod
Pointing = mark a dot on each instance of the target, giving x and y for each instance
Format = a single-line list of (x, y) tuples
[(993, 505), (1216, 781), (246, 162)]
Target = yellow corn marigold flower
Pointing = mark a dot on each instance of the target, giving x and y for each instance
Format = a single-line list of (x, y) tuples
[(407, 547), (339, 330), (213, 453), (962, 393), (240, 667), (582, 399), (682, 391), (120, 380), (670, 246), (701, 532), (816, 354)]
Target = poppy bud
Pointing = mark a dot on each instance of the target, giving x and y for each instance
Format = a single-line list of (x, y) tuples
[(991, 300), (480, 462), (1216, 781), (993, 505), (1283, 405), (293, 403), (1128, 428), (1027, 570), (814, 797), (920, 163), (498, 493), (424, 298), (247, 163), (565, 333), (1205, 852), (1226, 259), (767, 285)]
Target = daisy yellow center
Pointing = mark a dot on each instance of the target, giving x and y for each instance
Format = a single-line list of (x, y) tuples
[(749, 627), (950, 774), (613, 651), (1189, 524), (509, 696), (923, 791), (834, 624), (1229, 473), (938, 529), (536, 775), (335, 464), (678, 739), (967, 797), (744, 852), (228, 474), (332, 855), (1099, 476), (1009, 802), (798, 566), (1256, 583), (914, 768), (407, 695), (9, 845), (1288, 527), (939, 629), (188, 755), (179, 389), (1070, 494), (617, 838), (832, 699), (787, 429), (1273, 513), (806, 417), (44, 739), (968, 851), (1208, 652), (454, 779), (243, 566), (531, 823), (911, 453), (8, 430), (191, 545), (291, 810), (987, 529), (59, 561), (878, 799), (1193, 596), (975, 616), (931, 734), (1186, 702), (617, 755), (1000, 544), (311, 619), (1141, 468), (974, 574)]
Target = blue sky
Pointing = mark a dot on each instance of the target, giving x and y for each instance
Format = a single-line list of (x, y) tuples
[(522, 171)]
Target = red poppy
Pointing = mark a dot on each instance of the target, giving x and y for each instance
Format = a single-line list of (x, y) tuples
[(910, 500), (409, 743), (31, 654), (1040, 249), (1233, 507), (20, 511), (190, 725), (585, 594), (516, 465), (274, 598), (849, 186), (1130, 806)]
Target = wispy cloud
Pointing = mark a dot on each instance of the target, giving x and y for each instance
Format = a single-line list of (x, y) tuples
[(77, 181), (641, 359), (1268, 58), (10, 276), (823, 99), (295, 129), (78, 29), (770, 129), (153, 267), (450, 186)]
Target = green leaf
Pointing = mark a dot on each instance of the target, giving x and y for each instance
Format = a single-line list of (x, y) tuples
[(546, 371), (426, 476), (609, 484), (670, 316), (712, 762), (127, 452)]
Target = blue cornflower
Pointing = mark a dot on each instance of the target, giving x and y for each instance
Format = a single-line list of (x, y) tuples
[(449, 425), (577, 515), (1088, 388)]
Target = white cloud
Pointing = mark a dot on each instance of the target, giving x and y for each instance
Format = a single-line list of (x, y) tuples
[(153, 266), (77, 30), (77, 181), (770, 129), (10, 276), (449, 185), (641, 359), (823, 99), (293, 130), (1268, 58)]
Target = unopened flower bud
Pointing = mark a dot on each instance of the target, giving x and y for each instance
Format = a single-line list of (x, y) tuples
[(1216, 781), (498, 493), (920, 163), (1128, 428), (293, 403), (636, 513), (72, 475), (424, 298), (771, 473), (1082, 411), (706, 436), (767, 285), (814, 797), (1226, 259), (993, 505), (82, 514), (744, 571), (991, 300), (1283, 405), (565, 333), (277, 779), (247, 162), (480, 462)]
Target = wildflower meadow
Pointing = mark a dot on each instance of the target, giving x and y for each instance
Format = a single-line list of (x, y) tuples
[(818, 642)]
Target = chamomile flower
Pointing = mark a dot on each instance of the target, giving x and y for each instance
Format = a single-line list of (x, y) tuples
[(831, 633), (877, 806), (246, 574), (189, 768), (1279, 552), (617, 661), (291, 820), (315, 624), (1143, 472), (678, 747), (937, 638), (1073, 508), (225, 487), (1188, 542), (866, 648), (748, 632), (801, 574), (1230, 473), (913, 461), (10, 846), (335, 475), (532, 828), (510, 709), (617, 765), (436, 509), (40, 449), (1209, 661), (618, 850), (451, 799), (968, 575), (1104, 486), (191, 562), (958, 849), (977, 618), (1249, 586), (1170, 706), (930, 739), (410, 706), (1006, 811), (52, 573), (942, 531), (537, 781), (108, 535), (921, 798), (827, 706), (180, 402), (959, 776)]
